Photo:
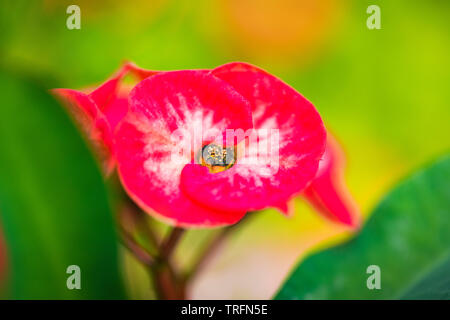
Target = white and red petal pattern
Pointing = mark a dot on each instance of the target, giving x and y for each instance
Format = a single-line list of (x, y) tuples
[(327, 193), (296, 136), (156, 133), (151, 157)]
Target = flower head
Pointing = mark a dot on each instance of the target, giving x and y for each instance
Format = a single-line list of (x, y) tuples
[(203, 147)]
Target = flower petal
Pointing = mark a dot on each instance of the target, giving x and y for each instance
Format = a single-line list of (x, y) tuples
[(99, 111), (277, 172), (111, 97), (171, 116), (92, 123), (328, 193)]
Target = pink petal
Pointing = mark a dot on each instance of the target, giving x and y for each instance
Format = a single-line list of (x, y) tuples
[(112, 98), (115, 111), (92, 123), (149, 157), (273, 178), (100, 111), (328, 193), (139, 72)]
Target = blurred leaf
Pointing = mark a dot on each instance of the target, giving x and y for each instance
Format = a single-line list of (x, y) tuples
[(435, 285), (406, 236), (53, 203)]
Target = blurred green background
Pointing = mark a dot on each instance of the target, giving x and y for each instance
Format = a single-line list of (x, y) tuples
[(383, 93)]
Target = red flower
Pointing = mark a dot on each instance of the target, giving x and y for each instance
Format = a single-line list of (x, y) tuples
[(203, 147), (100, 110)]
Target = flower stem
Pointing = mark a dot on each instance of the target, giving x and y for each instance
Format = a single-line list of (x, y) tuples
[(137, 250), (169, 284), (127, 224), (212, 249), (168, 246)]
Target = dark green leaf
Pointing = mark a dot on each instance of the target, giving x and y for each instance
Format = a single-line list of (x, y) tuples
[(435, 285), (406, 236), (53, 203)]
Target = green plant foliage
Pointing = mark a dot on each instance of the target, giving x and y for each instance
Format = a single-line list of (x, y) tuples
[(406, 236), (54, 208), (435, 285)]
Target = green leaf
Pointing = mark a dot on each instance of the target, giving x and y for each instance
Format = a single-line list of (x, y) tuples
[(406, 236), (54, 208), (435, 285)]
